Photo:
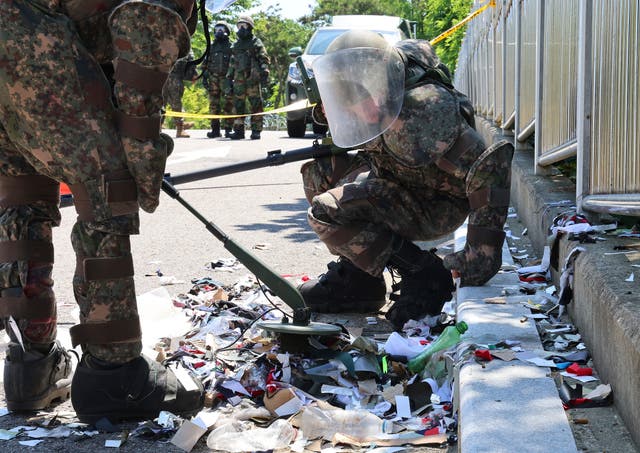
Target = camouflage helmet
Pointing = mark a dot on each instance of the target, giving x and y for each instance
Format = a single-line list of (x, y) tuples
[(246, 20), (357, 38), (224, 24)]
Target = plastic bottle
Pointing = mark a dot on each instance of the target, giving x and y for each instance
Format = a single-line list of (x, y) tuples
[(450, 336), (359, 423)]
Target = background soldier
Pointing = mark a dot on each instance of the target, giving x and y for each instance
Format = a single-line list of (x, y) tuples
[(65, 64), (249, 70), (174, 90), (219, 88), (422, 171)]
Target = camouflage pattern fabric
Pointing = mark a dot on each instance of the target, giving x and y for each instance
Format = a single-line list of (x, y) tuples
[(248, 68), (218, 87), (174, 86), (409, 182), (57, 119)]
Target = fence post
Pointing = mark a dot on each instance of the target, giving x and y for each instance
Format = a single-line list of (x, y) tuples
[(584, 102)]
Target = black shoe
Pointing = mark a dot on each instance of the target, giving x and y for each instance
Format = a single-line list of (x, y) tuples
[(32, 380), (425, 286), (238, 133), (139, 389), (227, 133), (213, 134), (255, 135), (345, 288)]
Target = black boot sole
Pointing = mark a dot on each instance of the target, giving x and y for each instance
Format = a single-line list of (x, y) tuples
[(59, 394)]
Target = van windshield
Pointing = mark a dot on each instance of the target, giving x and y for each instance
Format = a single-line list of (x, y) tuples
[(323, 37)]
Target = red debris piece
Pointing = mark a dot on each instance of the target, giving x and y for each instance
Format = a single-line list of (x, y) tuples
[(579, 371)]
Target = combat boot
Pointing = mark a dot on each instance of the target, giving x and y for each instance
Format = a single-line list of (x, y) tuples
[(255, 135), (215, 129), (180, 133), (33, 380), (227, 132), (238, 133), (425, 284), (136, 390), (344, 288)]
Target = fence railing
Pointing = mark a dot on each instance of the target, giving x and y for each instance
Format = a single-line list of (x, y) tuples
[(565, 73)]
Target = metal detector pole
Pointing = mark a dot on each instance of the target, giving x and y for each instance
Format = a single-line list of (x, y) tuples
[(280, 287)]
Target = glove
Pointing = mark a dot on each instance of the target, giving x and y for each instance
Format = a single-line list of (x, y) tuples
[(228, 87), (264, 78), (476, 264)]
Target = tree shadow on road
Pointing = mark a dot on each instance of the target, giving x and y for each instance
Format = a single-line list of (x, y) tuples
[(292, 226)]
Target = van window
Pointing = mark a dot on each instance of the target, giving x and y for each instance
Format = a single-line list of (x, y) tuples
[(323, 37)]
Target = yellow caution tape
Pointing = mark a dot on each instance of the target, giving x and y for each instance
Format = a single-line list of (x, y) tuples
[(449, 32), (303, 104)]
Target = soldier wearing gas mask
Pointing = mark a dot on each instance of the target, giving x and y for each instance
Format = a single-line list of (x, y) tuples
[(422, 170), (214, 79), (249, 72), (81, 103)]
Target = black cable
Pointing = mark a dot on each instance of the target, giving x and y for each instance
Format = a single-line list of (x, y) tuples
[(227, 347)]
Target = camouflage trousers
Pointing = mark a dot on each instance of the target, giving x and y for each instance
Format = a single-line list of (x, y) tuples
[(356, 213), (245, 90), (56, 120), (220, 103), (172, 92)]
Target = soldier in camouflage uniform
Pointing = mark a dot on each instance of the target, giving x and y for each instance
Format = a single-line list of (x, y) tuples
[(422, 170), (174, 89), (249, 71), (219, 88), (80, 102)]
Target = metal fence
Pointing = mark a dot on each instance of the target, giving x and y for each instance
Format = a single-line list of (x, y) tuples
[(565, 73)]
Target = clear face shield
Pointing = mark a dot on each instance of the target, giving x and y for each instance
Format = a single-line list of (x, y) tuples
[(215, 6), (362, 90)]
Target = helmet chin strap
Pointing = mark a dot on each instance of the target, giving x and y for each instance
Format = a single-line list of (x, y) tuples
[(207, 37)]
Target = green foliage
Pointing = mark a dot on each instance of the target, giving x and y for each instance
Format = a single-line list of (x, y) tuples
[(438, 16), (278, 36)]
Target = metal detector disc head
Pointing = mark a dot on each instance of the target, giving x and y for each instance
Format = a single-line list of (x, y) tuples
[(313, 328)]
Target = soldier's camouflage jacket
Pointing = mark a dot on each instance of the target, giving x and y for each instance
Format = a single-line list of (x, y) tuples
[(420, 179)]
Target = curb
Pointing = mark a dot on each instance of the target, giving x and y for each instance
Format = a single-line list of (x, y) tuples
[(505, 406)]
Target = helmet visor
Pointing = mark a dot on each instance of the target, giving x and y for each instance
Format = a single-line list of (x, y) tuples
[(215, 6), (362, 90)]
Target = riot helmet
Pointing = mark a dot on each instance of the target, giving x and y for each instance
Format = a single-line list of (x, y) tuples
[(361, 83), (221, 29), (244, 26)]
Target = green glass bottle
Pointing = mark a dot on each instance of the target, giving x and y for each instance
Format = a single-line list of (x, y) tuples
[(450, 336)]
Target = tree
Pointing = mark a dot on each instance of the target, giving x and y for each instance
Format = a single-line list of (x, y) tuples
[(279, 35), (437, 16)]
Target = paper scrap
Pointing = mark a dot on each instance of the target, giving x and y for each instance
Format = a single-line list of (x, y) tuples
[(403, 406), (504, 354), (629, 278), (187, 436), (112, 443)]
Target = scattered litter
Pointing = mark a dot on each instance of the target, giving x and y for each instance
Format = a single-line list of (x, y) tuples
[(629, 278)]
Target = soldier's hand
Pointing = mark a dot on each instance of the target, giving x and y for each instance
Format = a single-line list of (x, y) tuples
[(475, 265), (228, 87)]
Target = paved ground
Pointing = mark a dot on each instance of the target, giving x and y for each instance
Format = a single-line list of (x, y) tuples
[(264, 210)]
